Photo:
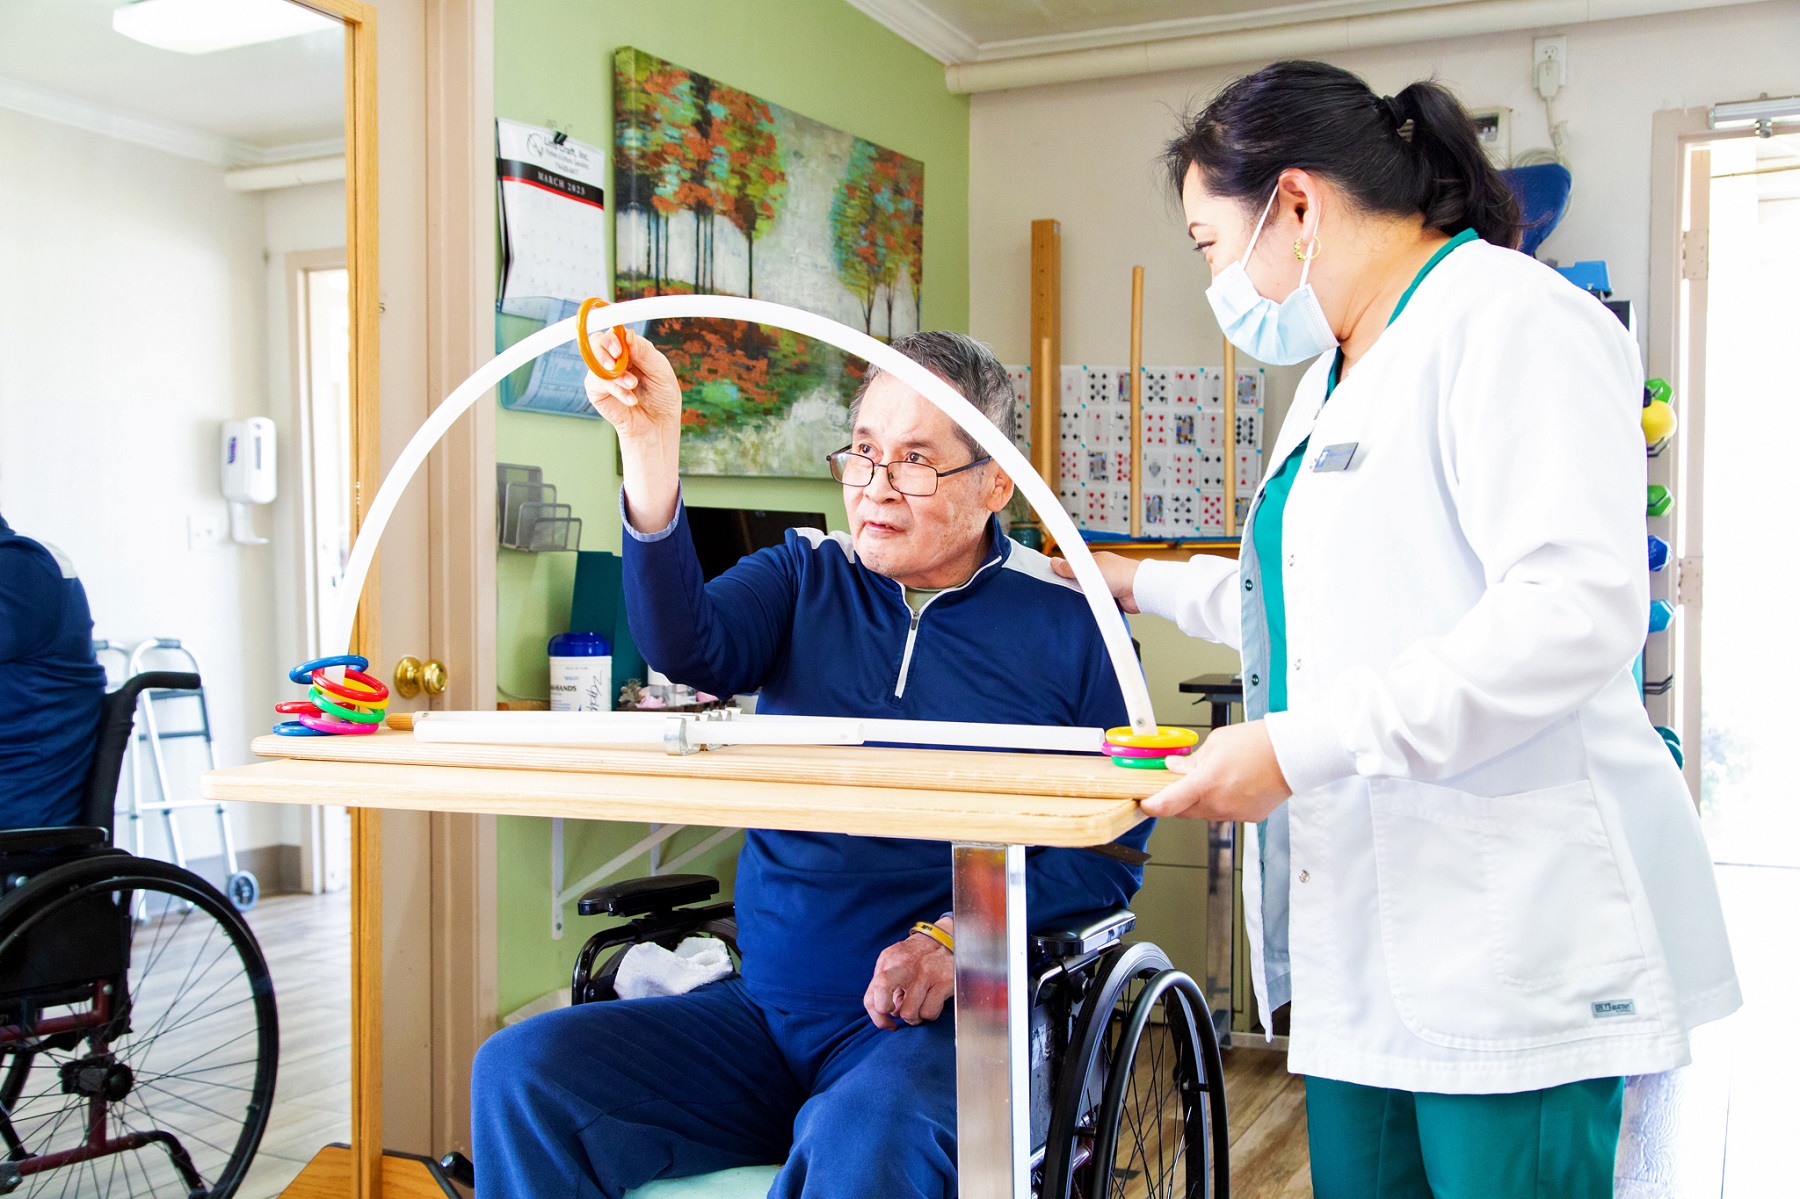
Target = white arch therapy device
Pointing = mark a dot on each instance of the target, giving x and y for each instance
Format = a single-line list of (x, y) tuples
[(627, 729)]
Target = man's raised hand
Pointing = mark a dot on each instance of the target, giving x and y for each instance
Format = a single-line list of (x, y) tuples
[(644, 402), (644, 405)]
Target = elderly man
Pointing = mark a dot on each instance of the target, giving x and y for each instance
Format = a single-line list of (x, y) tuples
[(828, 1053), (47, 653)]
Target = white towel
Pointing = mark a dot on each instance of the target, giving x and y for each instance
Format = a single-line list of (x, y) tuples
[(652, 970)]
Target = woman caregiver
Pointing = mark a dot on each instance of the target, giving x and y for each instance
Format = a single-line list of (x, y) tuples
[(1471, 864)]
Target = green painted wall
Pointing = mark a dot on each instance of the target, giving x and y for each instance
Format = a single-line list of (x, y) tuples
[(553, 64)]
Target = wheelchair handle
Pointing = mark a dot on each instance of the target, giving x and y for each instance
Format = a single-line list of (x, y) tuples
[(161, 680)]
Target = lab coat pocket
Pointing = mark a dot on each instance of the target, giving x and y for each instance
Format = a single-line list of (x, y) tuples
[(1505, 921)]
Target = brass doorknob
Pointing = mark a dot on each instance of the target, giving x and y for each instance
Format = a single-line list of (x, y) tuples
[(412, 675), (409, 672)]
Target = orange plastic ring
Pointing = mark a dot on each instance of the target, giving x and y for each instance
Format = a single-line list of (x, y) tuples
[(587, 351)]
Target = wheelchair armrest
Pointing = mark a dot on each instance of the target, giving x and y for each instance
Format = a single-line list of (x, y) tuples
[(31, 840), (1088, 933), (641, 896)]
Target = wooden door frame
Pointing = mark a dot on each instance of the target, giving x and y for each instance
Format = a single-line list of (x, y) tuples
[(459, 48), (362, 258), (1678, 302), (458, 919), (295, 266)]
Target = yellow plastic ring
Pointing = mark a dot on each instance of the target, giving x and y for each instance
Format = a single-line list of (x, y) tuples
[(619, 367), (1165, 737)]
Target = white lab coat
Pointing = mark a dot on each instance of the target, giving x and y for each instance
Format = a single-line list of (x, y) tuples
[(1490, 877)]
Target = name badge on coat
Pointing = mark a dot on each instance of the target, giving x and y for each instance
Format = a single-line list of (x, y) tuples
[(1335, 457)]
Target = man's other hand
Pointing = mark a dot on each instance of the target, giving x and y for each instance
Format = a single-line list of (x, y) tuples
[(913, 981)]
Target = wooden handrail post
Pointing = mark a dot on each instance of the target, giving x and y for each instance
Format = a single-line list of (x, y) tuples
[(1046, 350), (1230, 439), (1137, 401)]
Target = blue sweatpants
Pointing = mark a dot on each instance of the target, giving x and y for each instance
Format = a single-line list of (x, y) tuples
[(592, 1101)]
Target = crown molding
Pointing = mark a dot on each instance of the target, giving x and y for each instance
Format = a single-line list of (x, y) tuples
[(1399, 23), (922, 27), (325, 147), (170, 137), (1184, 27), (947, 43)]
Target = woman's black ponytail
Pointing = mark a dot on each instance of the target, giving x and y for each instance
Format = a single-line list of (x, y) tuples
[(1458, 187), (1413, 153)]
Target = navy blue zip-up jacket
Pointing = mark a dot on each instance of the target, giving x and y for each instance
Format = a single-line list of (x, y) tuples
[(47, 670), (821, 635)]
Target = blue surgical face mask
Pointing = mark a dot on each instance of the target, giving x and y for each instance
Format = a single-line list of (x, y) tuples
[(1279, 334)]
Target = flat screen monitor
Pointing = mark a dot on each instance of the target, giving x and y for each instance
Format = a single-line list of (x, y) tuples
[(723, 535)]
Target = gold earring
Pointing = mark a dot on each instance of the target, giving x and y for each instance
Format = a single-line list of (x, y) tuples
[(1302, 253)]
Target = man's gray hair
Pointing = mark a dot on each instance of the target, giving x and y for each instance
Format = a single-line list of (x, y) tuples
[(967, 365)]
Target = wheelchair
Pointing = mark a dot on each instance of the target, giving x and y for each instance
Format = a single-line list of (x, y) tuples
[(1126, 1084), (137, 1049)]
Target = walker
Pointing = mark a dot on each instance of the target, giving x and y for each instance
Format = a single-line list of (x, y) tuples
[(240, 885)]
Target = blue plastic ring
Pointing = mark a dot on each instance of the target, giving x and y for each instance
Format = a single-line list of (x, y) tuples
[(293, 728), (302, 673)]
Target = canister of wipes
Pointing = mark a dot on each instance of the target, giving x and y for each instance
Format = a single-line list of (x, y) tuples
[(580, 673)]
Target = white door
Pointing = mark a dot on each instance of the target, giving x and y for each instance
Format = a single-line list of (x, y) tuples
[(1748, 701)]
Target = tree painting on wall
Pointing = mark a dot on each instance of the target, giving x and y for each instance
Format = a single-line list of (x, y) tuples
[(718, 191)]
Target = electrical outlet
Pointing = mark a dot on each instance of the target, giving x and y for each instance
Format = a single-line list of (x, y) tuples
[(1550, 64), (204, 531)]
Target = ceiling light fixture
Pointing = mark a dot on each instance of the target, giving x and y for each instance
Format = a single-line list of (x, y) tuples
[(203, 26)]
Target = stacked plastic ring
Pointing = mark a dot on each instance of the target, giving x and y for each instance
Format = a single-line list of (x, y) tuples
[(1148, 751), (355, 706)]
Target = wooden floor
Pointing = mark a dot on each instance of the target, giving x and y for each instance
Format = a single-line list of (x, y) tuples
[(1266, 1107), (306, 939)]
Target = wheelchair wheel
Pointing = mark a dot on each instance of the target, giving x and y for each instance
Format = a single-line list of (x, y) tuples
[(1160, 1129), (1139, 1102), (150, 1075)]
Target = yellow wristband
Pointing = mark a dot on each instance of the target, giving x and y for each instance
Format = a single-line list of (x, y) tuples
[(936, 934)]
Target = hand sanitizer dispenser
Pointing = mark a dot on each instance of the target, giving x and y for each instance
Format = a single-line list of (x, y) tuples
[(247, 471)]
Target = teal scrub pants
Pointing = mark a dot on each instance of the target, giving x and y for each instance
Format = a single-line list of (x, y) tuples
[(1374, 1143)]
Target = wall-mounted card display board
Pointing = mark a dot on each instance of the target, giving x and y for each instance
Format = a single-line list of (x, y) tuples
[(1182, 443)]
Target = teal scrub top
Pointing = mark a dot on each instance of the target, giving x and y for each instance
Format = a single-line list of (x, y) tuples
[(1266, 529)]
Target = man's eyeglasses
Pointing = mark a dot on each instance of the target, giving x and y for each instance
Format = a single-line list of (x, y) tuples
[(908, 478)]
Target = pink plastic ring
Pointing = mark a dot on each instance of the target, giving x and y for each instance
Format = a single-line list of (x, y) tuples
[(1130, 751), (326, 724)]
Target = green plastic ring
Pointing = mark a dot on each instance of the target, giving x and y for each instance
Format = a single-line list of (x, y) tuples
[(326, 704), (1142, 763)]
